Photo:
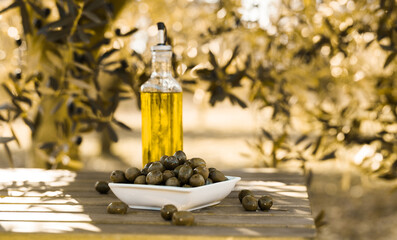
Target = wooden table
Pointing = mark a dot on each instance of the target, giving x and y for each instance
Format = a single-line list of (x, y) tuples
[(59, 204)]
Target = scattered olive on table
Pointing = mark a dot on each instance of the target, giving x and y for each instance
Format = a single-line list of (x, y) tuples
[(117, 208), (102, 187), (244, 193), (167, 211), (265, 202), (250, 203), (182, 218)]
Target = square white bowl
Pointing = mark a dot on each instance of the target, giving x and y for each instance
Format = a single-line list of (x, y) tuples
[(154, 197)]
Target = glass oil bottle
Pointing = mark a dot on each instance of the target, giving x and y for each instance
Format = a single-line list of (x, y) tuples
[(161, 105)]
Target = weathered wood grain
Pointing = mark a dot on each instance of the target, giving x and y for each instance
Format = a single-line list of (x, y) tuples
[(230, 210), (161, 232), (42, 203)]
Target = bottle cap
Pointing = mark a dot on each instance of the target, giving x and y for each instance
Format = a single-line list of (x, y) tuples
[(162, 33), (162, 38)]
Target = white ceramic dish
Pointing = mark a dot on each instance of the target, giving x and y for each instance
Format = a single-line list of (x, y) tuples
[(153, 197)]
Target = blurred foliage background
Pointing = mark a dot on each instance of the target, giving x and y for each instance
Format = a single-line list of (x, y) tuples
[(319, 74)]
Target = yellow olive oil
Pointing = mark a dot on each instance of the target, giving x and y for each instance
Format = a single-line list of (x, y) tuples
[(162, 132)]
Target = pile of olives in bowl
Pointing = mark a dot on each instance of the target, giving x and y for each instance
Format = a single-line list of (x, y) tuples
[(250, 203), (176, 170)]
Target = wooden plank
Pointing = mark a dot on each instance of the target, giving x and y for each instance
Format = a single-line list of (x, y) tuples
[(89, 209), (90, 192), (154, 218), (61, 201), (144, 232), (104, 200), (90, 184)]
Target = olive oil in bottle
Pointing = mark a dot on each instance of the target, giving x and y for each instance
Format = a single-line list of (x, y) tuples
[(162, 124), (161, 105)]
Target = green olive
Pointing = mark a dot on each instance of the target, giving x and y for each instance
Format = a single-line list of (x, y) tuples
[(171, 163), (244, 193), (182, 218), (185, 172), (186, 186), (131, 173), (102, 187), (173, 182), (147, 165), (188, 163), (118, 176), (168, 174), (203, 171), (176, 170), (211, 169), (141, 179), (250, 203), (156, 166), (154, 177), (196, 180), (181, 156), (162, 159), (265, 202), (167, 211), (145, 169), (117, 208), (197, 162), (217, 176)]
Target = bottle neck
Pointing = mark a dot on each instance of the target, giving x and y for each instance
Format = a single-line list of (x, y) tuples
[(161, 63)]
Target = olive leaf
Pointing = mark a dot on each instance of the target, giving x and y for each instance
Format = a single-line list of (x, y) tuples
[(319, 220), (329, 156), (301, 139), (120, 124), (111, 133), (234, 99), (9, 155), (106, 54), (94, 5), (61, 10), (132, 31), (6, 139), (389, 59), (37, 9), (267, 134), (15, 136), (48, 145), (11, 6)]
